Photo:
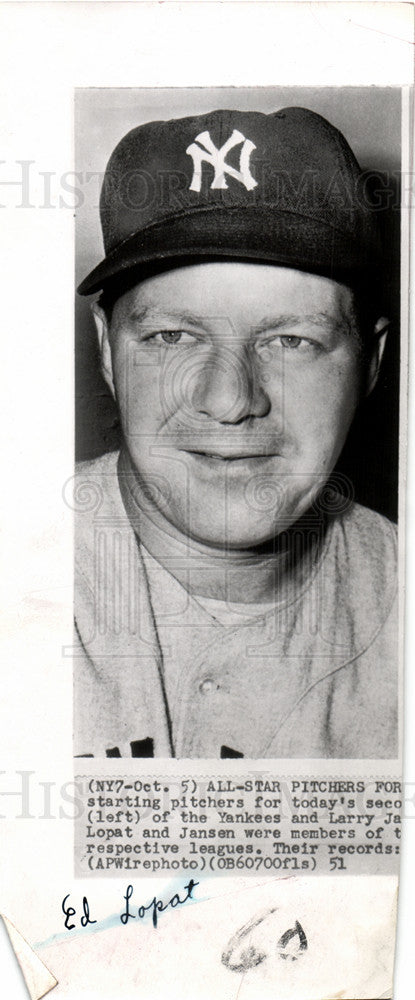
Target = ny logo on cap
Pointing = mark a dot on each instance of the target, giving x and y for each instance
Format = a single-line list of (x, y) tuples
[(216, 157)]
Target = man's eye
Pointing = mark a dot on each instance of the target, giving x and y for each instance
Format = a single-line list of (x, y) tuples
[(291, 342), (173, 337)]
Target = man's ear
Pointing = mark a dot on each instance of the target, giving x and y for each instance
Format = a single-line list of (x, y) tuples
[(101, 324), (378, 346)]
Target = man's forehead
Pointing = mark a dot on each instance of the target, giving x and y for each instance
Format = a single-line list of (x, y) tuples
[(264, 295)]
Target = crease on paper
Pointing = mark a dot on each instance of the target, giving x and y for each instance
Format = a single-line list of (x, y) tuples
[(39, 980)]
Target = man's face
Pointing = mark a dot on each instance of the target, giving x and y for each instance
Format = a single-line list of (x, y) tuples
[(236, 384)]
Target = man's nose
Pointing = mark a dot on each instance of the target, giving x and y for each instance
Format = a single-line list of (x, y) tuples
[(229, 388)]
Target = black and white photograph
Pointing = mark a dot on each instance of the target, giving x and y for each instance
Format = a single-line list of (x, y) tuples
[(236, 495)]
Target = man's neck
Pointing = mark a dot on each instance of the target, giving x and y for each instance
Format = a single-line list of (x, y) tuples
[(237, 576)]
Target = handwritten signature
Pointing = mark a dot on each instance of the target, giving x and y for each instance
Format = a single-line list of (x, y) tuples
[(155, 907)]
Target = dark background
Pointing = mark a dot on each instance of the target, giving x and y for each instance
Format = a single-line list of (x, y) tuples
[(370, 119)]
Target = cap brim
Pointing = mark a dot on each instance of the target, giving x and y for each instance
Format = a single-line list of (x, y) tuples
[(254, 233)]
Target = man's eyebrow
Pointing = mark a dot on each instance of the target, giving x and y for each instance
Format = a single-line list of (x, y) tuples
[(140, 314), (309, 319), (272, 322)]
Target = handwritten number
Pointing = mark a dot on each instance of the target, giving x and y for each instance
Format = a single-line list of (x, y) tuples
[(286, 939), (243, 954)]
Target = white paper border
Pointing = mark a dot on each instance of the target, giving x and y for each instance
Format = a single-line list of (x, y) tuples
[(47, 49)]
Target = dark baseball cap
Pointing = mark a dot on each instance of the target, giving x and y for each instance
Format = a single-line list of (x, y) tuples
[(282, 188)]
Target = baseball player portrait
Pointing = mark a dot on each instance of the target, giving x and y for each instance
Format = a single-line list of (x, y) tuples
[(232, 598)]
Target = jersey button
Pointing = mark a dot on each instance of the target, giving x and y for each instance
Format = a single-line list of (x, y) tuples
[(206, 685)]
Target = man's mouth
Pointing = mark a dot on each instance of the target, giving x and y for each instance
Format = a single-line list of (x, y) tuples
[(229, 456)]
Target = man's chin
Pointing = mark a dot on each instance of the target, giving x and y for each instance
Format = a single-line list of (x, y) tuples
[(237, 535)]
